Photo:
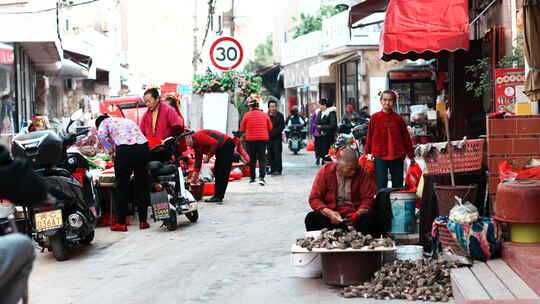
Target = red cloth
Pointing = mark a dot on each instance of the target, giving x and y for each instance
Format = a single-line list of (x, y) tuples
[(206, 142), (256, 125), (169, 122), (388, 137), (324, 190)]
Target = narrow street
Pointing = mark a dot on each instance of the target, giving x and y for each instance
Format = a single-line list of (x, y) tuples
[(237, 253)]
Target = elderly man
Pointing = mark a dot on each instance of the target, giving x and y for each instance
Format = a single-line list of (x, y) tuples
[(343, 193)]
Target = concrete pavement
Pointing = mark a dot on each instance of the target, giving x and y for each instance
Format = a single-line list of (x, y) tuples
[(237, 253)]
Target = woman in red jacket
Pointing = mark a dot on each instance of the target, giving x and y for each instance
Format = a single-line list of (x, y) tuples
[(256, 126), (389, 142)]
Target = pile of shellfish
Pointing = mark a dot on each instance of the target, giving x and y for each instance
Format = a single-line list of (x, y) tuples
[(422, 280), (342, 239)]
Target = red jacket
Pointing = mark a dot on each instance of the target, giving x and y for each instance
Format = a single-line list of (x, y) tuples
[(256, 125), (324, 190), (388, 137), (206, 142), (169, 123)]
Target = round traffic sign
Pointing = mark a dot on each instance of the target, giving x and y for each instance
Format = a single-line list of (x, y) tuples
[(226, 53)]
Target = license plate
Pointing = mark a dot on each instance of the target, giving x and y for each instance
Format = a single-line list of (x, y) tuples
[(48, 220), (160, 205)]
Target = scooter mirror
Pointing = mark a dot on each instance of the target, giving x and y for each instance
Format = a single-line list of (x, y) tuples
[(77, 115)]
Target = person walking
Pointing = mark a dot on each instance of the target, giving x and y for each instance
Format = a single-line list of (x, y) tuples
[(124, 140), (256, 126), (275, 147), (388, 140), (327, 126), (316, 134), (208, 143)]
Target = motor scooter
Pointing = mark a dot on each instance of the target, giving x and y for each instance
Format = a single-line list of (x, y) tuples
[(169, 196), (70, 218), (296, 135)]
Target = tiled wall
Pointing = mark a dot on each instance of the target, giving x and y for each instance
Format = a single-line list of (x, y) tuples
[(514, 137)]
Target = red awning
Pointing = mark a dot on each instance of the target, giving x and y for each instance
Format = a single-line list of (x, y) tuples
[(366, 8), (415, 29)]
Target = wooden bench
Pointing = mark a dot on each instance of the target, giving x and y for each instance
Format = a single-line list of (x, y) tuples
[(493, 280)]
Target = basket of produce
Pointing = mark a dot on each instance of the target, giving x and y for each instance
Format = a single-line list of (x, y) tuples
[(466, 156), (348, 257)]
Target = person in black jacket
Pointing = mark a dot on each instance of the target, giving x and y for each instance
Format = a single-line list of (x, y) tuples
[(327, 125), (275, 147)]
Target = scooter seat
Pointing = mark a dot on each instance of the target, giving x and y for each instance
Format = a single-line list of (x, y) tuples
[(156, 168)]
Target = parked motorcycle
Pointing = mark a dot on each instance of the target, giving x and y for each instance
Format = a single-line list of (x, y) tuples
[(296, 135), (169, 196), (69, 219)]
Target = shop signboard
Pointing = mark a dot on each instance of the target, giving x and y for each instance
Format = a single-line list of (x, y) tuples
[(509, 86)]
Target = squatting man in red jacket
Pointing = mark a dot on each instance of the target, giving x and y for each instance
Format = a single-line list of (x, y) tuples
[(208, 143), (343, 193)]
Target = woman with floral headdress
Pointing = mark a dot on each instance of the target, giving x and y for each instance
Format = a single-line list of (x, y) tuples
[(388, 140)]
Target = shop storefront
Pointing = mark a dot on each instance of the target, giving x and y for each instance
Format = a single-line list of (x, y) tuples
[(17, 88), (7, 89)]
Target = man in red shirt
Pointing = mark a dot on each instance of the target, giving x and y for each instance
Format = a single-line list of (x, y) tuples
[(343, 193), (389, 142), (256, 126), (208, 143)]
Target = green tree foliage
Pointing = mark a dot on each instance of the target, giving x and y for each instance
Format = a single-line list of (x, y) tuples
[(264, 56), (309, 23)]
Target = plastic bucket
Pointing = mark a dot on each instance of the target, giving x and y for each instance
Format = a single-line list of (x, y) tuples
[(403, 207), (349, 268), (525, 233), (306, 265), (409, 252)]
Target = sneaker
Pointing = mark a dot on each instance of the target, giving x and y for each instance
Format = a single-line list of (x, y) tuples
[(213, 199), (119, 227), (275, 173), (262, 182), (144, 225), (251, 181)]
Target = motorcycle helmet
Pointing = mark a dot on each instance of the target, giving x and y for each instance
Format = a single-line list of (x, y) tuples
[(294, 110)]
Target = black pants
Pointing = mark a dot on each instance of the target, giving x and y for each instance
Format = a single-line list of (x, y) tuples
[(257, 151), (324, 143), (366, 223), (395, 167), (131, 159), (222, 167), (275, 149)]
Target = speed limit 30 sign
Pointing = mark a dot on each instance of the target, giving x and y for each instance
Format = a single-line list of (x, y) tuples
[(226, 53)]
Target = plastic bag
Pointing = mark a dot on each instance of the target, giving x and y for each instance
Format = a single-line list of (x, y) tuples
[(414, 174), (311, 145), (419, 113), (463, 213), (506, 172), (366, 164)]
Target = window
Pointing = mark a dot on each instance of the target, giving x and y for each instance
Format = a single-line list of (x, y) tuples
[(349, 85)]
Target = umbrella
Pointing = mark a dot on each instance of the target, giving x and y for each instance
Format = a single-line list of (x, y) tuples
[(531, 19)]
